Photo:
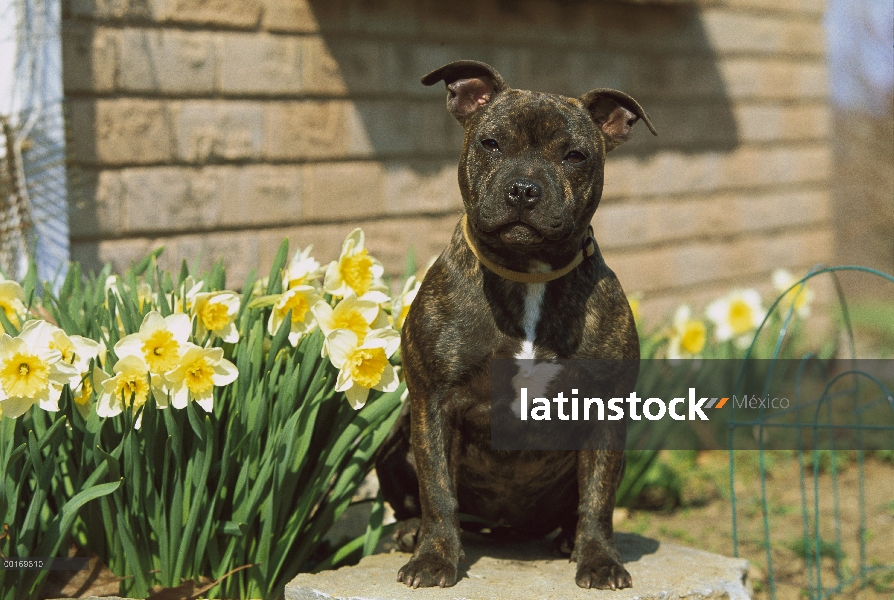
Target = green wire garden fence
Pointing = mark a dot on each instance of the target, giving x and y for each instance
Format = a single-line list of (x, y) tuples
[(842, 421)]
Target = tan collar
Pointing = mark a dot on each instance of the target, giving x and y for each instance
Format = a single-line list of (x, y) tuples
[(522, 277)]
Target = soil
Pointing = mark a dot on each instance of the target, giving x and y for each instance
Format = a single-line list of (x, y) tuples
[(704, 521)]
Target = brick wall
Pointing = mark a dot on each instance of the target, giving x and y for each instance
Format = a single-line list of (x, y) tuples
[(219, 127)]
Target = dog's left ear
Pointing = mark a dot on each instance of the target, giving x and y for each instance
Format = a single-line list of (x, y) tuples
[(470, 86), (614, 113)]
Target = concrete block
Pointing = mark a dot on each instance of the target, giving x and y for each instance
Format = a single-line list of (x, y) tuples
[(216, 130), (388, 17), (259, 64), (167, 61), (421, 187), (305, 129), (121, 131), (730, 31), (774, 78), (518, 570), (289, 16), (242, 14), (89, 58), (647, 224), (343, 191)]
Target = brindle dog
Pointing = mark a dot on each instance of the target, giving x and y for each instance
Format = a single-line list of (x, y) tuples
[(531, 175)]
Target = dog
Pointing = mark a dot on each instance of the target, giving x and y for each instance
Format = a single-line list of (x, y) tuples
[(521, 278)]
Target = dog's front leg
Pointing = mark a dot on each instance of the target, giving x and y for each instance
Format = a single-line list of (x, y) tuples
[(438, 552), (598, 560)]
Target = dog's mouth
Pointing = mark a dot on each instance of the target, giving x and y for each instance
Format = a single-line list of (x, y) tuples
[(520, 234)]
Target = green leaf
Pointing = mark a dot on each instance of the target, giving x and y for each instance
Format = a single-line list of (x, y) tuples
[(274, 285)]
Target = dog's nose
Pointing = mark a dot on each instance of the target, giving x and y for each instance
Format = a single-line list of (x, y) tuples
[(523, 193)]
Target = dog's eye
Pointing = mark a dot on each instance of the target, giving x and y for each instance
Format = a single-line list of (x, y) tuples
[(575, 157), (491, 145)]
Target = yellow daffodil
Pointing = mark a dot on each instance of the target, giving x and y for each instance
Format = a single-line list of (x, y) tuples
[(31, 372), (77, 351), (736, 315), (12, 301), (688, 335), (159, 344), (183, 298), (402, 306), (129, 387), (215, 314), (299, 300), (363, 366), (302, 270), (359, 316), (355, 272), (198, 372), (798, 298)]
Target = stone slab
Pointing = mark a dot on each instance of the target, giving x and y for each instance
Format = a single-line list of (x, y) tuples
[(528, 570)]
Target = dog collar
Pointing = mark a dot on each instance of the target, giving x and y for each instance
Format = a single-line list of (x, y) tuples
[(521, 276)]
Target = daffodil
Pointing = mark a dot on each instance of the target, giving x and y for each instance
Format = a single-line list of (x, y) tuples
[(299, 300), (31, 372), (77, 351), (402, 306), (363, 366), (359, 316), (159, 344), (688, 335), (355, 272), (198, 372), (215, 314), (12, 301), (183, 298), (129, 387), (798, 298), (302, 270), (145, 296), (736, 315)]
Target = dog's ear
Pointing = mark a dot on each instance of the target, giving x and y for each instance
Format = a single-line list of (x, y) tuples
[(470, 86), (614, 113)]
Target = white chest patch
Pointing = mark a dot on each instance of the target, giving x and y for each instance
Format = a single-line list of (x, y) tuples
[(533, 304)]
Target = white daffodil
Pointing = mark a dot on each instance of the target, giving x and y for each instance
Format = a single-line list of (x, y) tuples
[(355, 272), (12, 301), (402, 306), (797, 298), (182, 299), (688, 335), (77, 351), (359, 316), (302, 270), (299, 300), (200, 369), (363, 366), (736, 315), (158, 343), (31, 372), (215, 314), (129, 387), (145, 296)]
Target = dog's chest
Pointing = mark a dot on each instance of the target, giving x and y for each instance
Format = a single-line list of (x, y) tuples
[(533, 306)]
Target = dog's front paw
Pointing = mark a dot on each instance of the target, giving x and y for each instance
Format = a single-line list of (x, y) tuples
[(428, 570), (602, 573)]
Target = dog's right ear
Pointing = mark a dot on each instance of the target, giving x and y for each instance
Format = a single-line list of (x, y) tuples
[(470, 85)]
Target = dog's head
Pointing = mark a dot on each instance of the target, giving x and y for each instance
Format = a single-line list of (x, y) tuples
[(531, 170)]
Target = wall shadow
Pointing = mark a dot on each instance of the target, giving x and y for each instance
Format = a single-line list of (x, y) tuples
[(659, 54)]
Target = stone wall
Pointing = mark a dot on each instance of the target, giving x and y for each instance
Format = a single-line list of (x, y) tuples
[(219, 127)]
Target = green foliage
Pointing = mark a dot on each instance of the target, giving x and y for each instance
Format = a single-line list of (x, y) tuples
[(236, 501)]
